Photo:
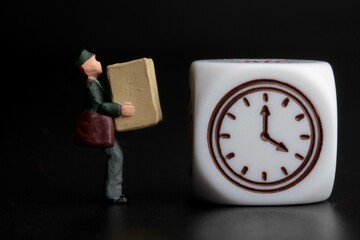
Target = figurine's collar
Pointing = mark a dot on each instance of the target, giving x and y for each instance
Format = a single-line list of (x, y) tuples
[(96, 82)]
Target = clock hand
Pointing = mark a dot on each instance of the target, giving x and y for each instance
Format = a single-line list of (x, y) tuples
[(265, 114), (265, 135), (279, 145)]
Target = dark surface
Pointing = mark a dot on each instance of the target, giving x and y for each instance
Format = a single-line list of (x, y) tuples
[(51, 189)]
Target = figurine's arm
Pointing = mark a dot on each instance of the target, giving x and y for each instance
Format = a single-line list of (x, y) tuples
[(115, 110), (111, 109)]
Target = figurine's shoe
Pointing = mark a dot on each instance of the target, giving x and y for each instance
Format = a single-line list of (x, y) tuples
[(122, 200)]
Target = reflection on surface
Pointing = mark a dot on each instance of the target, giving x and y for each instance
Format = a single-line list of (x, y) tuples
[(318, 221), (138, 222)]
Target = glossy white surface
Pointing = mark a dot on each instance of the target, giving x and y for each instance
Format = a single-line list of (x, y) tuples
[(264, 131)]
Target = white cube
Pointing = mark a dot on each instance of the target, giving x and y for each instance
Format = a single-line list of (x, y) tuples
[(264, 131)]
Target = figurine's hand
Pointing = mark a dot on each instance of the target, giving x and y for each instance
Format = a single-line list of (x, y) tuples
[(127, 109)]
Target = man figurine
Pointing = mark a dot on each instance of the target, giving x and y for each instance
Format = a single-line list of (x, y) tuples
[(94, 100)]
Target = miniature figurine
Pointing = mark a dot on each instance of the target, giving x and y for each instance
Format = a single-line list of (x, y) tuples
[(95, 101)]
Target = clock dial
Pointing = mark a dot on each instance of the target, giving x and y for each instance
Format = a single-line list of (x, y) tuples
[(265, 136)]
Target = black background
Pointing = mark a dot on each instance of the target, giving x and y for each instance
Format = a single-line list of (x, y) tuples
[(51, 189)]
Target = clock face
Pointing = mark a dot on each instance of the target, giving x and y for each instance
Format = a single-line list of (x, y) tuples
[(264, 136)]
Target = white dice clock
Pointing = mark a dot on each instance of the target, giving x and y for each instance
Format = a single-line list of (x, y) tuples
[(264, 131)]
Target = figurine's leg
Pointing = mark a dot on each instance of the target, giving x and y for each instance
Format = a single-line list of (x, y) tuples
[(114, 172)]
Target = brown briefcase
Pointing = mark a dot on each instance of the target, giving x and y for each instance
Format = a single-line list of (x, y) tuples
[(93, 129)]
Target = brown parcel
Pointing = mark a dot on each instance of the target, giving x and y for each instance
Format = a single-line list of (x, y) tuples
[(135, 81)]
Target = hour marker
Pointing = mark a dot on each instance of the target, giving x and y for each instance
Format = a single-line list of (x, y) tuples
[(246, 102), (298, 156), (244, 170), (225, 136), (284, 171), (231, 116), (285, 102), (299, 117), (230, 156), (265, 97), (264, 176), (304, 137)]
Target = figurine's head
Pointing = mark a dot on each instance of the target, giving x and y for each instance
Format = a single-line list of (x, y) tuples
[(89, 65)]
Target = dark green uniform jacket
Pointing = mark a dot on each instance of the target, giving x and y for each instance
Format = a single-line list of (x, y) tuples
[(95, 100)]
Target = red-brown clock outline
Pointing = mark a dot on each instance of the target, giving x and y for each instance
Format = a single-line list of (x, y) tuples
[(311, 156)]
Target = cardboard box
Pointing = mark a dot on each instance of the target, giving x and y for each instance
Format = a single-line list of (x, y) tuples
[(135, 81)]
